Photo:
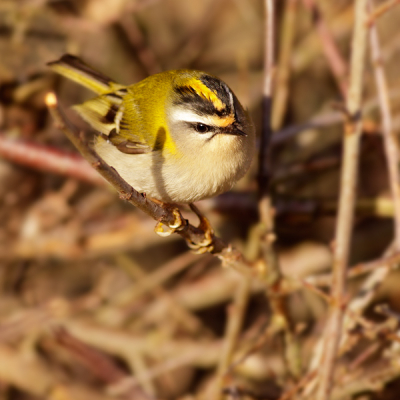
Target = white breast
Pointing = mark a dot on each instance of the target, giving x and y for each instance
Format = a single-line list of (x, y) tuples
[(185, 180)]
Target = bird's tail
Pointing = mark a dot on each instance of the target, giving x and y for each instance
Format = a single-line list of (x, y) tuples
[(75, 69)]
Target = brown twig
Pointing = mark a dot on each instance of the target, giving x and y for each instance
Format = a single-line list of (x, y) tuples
[(380, 10), (98, 363), (335, 60), (356, 270), (122, 344), (236, 314), (364, 297), (352, 135), (48, 159), (271, 274), (319, 121), (149, 282), (306, 167), (266, 134), (288, 395), (371, 380), (367, 353), (284, 68), (264, 174), (325, 119), (389, 139), (373, 282), (184, 317), (265, 206), (35, 377), (248, 350), (314, 289), (216, 288)]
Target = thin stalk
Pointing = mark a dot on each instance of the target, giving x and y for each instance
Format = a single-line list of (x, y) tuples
[(352, 134), (389, 139)]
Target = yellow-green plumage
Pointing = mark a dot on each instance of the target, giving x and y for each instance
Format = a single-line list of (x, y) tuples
[(144, 99), (149, 131)]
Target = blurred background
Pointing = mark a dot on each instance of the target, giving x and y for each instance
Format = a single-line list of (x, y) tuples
[(95, 305)]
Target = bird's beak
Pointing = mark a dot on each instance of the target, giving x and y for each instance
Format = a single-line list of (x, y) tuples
[(239, 132), (234, 130)]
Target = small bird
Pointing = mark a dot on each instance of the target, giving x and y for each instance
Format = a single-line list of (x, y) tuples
[(177, 136)]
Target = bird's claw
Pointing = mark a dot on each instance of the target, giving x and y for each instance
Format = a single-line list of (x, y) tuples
[(166, 230), (207, 244)]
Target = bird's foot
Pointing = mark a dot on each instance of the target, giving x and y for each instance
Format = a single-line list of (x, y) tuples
[(207, 244), (166, 230)]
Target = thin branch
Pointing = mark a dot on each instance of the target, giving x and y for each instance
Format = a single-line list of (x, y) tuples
[(380, 10), (184, 317), (154, 279), (98, 363), (265, 207), (32, 375), (269, 67), (289, 395), (48, 159), (371, 380), (389, 139), (314, 289), (284, 66), (356, 270), (373, 282), (271, 273), (264, 175), (344, 225), (336, 62), (364, 296), (324, 119), (236, 316)]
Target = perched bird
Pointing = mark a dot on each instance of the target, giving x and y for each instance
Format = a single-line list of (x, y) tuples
[(177, 136)]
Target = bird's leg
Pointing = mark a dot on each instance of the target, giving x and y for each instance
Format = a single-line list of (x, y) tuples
[(164, 230), (206, 245)]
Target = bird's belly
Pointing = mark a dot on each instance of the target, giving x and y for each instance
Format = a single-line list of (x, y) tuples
[(151, 174)]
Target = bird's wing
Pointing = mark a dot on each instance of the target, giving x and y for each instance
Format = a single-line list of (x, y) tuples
[(105, 114)]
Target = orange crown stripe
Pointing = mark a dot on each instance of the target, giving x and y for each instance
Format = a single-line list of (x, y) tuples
[(203, 91), (223, 121)]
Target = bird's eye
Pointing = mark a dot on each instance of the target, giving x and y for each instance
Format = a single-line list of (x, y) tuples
[(202, 128)]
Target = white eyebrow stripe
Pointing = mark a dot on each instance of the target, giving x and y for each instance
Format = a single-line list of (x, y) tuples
[(189, 116)]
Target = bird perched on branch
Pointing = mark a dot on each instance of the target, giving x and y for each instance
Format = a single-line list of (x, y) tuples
[(177, 136)]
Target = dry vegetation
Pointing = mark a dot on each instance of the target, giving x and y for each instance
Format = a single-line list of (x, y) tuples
[(94, 305)]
